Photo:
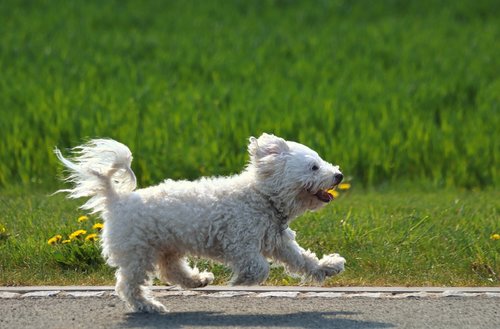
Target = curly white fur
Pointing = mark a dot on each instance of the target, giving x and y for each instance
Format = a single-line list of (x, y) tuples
[(240, 220)]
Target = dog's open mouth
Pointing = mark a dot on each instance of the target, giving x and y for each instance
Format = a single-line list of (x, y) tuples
[(325, 195)]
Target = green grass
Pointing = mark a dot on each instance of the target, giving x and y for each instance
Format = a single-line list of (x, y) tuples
[(389, 90), (388, 238), (396, 92)]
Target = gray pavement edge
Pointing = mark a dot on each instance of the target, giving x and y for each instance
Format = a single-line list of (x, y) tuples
[(264, 289)]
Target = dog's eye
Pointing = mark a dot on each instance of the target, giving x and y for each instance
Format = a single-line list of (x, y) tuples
[(315, 167)]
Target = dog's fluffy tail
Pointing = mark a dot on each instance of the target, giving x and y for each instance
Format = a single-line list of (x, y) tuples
[(99, 169)]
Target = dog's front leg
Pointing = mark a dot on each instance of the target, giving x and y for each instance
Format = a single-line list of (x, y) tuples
[(305, 262), (250, 269)]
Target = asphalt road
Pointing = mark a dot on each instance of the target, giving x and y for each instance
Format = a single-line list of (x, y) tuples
[(203, 311)]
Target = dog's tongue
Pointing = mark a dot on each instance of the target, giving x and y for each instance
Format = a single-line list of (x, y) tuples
[(324, 196)]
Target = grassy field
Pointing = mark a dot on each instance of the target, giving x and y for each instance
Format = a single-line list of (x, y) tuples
[(403, 95), (388, 238), (390, 90)]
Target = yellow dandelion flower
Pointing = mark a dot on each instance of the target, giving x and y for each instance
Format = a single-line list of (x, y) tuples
[(55, 239), (98, 226), (52, 241), (82, 219), (344, 186), (495, 236), (91, 237), (65, 241), (2, 229), (77, 234)]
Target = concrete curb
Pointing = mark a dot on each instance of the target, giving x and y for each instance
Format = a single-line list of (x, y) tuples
[(258, 292), (262, 289)]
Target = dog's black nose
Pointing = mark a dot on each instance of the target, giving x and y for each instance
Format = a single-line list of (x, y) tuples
[(337, 178)]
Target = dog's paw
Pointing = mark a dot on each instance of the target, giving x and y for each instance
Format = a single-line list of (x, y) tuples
[(149, 307), (329, 265), (333, 262), (205, 279)]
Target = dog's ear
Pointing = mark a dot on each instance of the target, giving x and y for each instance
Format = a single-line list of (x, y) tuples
[(267, 144)]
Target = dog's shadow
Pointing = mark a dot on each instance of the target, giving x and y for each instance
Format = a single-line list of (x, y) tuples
[(215, 319)]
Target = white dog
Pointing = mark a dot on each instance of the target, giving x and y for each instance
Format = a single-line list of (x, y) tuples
[(240, 220)]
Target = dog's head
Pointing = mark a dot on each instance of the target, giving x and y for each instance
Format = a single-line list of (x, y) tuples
[(293, 172)]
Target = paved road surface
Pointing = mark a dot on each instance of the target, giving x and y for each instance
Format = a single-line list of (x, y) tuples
[(217, 310)]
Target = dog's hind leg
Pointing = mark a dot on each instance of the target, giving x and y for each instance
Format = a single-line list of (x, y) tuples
[(175, 269), (131, 286)]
